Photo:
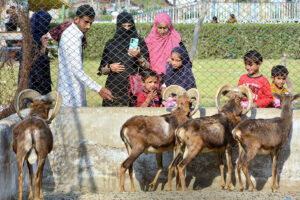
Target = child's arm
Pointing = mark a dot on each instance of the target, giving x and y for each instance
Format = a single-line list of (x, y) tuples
[(265, 96), (142, 102)]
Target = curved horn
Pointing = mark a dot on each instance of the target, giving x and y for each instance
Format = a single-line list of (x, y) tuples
[(24, 94), (247, 91), (175, 89), (194, 93), (226, 87), (54, 96)]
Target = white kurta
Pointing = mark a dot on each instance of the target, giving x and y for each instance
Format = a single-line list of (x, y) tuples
[(71, 79)]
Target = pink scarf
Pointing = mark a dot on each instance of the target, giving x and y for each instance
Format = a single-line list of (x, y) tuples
[(160, 47)]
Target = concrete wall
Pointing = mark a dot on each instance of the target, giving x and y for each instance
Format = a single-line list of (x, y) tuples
[(88, 152)]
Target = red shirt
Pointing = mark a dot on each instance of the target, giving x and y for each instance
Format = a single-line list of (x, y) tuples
[(141, 98), (260, 87)]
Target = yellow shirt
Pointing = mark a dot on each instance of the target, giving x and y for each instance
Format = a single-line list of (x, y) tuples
[(275, 89)]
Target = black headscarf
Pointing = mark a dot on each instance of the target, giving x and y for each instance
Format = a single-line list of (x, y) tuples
[(39, 76), (121, 33), (115, 51), (182, 76)]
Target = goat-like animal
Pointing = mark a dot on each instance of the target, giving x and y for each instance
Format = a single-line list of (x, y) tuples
[(155, 134), (32, 137), (264, 136), (212, 133)]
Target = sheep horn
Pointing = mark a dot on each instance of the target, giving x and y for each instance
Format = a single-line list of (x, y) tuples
[(247, 91), (226, 87), (24, 94), (194, 93), (173, 89), (54, 96)]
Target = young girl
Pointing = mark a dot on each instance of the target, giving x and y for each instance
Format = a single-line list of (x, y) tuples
[(179, 70), (148, 97)]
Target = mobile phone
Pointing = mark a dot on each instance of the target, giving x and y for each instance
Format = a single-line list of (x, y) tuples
[(134, 42)]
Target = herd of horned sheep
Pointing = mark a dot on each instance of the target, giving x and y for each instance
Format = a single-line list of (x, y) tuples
[(177, 131)]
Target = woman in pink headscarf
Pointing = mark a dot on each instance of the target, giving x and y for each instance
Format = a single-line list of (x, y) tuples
[(160, 42)]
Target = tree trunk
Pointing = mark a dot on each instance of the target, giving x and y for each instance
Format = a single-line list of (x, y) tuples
[(27, 59), (197, 30)]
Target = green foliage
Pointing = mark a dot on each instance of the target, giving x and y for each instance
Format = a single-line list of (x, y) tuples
[(72, 14), (105, 17), (216, 40)]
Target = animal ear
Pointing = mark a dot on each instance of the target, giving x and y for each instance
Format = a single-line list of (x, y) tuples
[(276, 95), (296, 96)]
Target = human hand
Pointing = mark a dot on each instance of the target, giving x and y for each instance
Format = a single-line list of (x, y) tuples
[(44, 41), (117, 67), (170, 103), (152, 95), (244, 104), (106, 94), (134, 53), (277, 103)]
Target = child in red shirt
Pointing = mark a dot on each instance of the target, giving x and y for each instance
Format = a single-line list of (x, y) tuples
[(259, 84), (148, 97)]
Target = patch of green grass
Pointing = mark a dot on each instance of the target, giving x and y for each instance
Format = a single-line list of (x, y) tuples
[(209, 75)]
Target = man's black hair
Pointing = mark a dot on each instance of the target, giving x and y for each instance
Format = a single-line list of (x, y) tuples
[(279, 70), (12, 7), (253, 56), (85, 10), (146, 73)]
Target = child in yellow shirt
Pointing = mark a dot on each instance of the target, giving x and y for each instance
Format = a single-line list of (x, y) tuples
[(278, 76)]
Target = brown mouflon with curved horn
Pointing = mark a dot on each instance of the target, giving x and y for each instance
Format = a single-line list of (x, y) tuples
[(155, 134), (32, 137), (264, 136), (211, 133)]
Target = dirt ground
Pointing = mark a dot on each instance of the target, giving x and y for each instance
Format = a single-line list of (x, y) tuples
[(186, 195)]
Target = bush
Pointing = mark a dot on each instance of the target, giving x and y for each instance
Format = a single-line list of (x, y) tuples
[(216, 40), (105, 17)]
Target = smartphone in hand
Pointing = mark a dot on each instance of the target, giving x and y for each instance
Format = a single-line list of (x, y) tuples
[(134, 42)]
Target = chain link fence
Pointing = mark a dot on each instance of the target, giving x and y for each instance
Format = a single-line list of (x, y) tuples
[(87, 53)]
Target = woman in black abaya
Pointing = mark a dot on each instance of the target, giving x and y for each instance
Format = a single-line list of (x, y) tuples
[(118, 61)]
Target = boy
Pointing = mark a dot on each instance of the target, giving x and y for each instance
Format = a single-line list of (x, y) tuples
[(72, 80), (148, 97), (278, 76), (259, 84)]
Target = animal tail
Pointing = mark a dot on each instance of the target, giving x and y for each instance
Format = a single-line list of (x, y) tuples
[(32, 158), (236, 133), (179, 146), (30, 146)]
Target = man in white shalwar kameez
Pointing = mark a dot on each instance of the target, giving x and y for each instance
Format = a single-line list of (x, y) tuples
[(72, 80)]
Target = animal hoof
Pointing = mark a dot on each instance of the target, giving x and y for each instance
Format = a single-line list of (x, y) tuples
[(230, 187), (275, 189), (242, 189), (152, 187)]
